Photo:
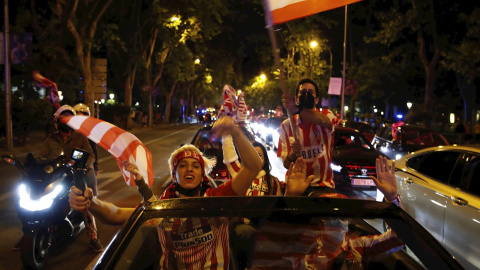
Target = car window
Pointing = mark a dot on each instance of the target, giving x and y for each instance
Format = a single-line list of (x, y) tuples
[(439, 139), (470, 181), (279, 243), (438, 165), (351, 140), (386, 133), (206, 139)]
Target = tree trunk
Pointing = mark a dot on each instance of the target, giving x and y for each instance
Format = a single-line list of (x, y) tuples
[(168, 106)]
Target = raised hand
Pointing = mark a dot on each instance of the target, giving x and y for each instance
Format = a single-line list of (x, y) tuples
[(385, 180), (297, 180)]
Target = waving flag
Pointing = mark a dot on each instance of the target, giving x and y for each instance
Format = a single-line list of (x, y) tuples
[(52, 96), (287, 10), (123, 145)]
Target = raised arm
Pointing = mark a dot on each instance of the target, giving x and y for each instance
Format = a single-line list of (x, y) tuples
[(251, 162), (106, 212), (385, 180)]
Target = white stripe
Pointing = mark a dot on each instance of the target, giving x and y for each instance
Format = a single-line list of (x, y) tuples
[(121, 143), (99, 130), (141, 161), (76, 121), (277, 4)]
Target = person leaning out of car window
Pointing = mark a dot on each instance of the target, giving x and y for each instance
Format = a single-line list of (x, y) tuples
[(314, 129), (189, 170)]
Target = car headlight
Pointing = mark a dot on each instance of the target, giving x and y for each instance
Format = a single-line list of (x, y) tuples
[(335, 167), (40, 204)]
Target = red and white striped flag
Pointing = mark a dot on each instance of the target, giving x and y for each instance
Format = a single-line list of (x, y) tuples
[(286, 10), (121, 144), (52, 95)]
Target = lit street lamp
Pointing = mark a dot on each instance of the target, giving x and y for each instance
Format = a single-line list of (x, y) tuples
[(314, 44), (409, 105)]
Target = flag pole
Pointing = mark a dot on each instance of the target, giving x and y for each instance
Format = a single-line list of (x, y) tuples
[(344, 59), (276, 55)]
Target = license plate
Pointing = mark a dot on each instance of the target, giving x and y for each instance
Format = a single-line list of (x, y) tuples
[(362, 182)]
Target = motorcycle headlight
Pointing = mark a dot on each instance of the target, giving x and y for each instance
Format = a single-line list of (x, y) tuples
[(40, 204)]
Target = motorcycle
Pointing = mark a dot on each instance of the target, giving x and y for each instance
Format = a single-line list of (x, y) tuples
[(43, 206)]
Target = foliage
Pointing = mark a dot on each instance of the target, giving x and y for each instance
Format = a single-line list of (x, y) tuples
[(464, 58)]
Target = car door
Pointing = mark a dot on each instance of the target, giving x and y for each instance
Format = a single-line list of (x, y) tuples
[(462, 214), (424, 188)]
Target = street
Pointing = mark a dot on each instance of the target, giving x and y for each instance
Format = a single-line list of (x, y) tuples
[(161, 141)]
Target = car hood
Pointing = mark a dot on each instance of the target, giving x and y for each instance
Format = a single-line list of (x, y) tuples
[(355, 154)]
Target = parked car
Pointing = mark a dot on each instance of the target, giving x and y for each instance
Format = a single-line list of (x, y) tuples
[(363, 127), (287, 226), (440, 188), (206, 141), (395, 142), (353, 160)]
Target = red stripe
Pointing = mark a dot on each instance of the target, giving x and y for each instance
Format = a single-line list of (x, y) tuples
[(88, 125), (109, 137)]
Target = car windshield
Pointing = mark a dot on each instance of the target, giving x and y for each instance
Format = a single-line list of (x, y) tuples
[(290, 233), (351, 140), (420, 137)]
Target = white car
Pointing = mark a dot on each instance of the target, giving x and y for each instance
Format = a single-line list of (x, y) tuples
[(440, 188)]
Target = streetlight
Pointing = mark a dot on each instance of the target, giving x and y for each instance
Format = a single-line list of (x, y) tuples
[(111, 96), (409, 105), (314, 44)]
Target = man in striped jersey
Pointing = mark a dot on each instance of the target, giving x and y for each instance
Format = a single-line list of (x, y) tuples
[(313, 129), (193, 243)]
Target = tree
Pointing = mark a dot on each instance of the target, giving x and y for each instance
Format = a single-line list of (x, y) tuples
[(464, 59), (415, 20), (81, 18)]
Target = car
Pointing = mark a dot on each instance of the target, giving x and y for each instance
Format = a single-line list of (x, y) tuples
[(440, 188), (363, 127), (353, 160), (270, 131), (288, 228), (211, 146), (395, 142)]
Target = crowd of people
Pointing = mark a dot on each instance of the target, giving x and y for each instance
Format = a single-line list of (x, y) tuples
[(305, 147)]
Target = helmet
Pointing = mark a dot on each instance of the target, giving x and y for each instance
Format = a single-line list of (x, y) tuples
[(65, 109), (81, 108)]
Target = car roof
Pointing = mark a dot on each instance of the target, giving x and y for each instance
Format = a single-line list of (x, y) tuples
[(345, 129), (467, 147)]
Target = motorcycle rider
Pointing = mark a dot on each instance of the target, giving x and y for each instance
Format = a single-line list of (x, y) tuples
[(63, 141)]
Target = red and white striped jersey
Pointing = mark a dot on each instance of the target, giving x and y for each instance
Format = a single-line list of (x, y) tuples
[(196, 243), (259, 186), (317, 145)]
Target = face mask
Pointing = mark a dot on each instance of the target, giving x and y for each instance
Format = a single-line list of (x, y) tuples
[(64, 128), (307, 100)]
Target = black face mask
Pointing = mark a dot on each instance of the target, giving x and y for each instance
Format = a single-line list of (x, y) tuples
[(307, 100), (64, 128)]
